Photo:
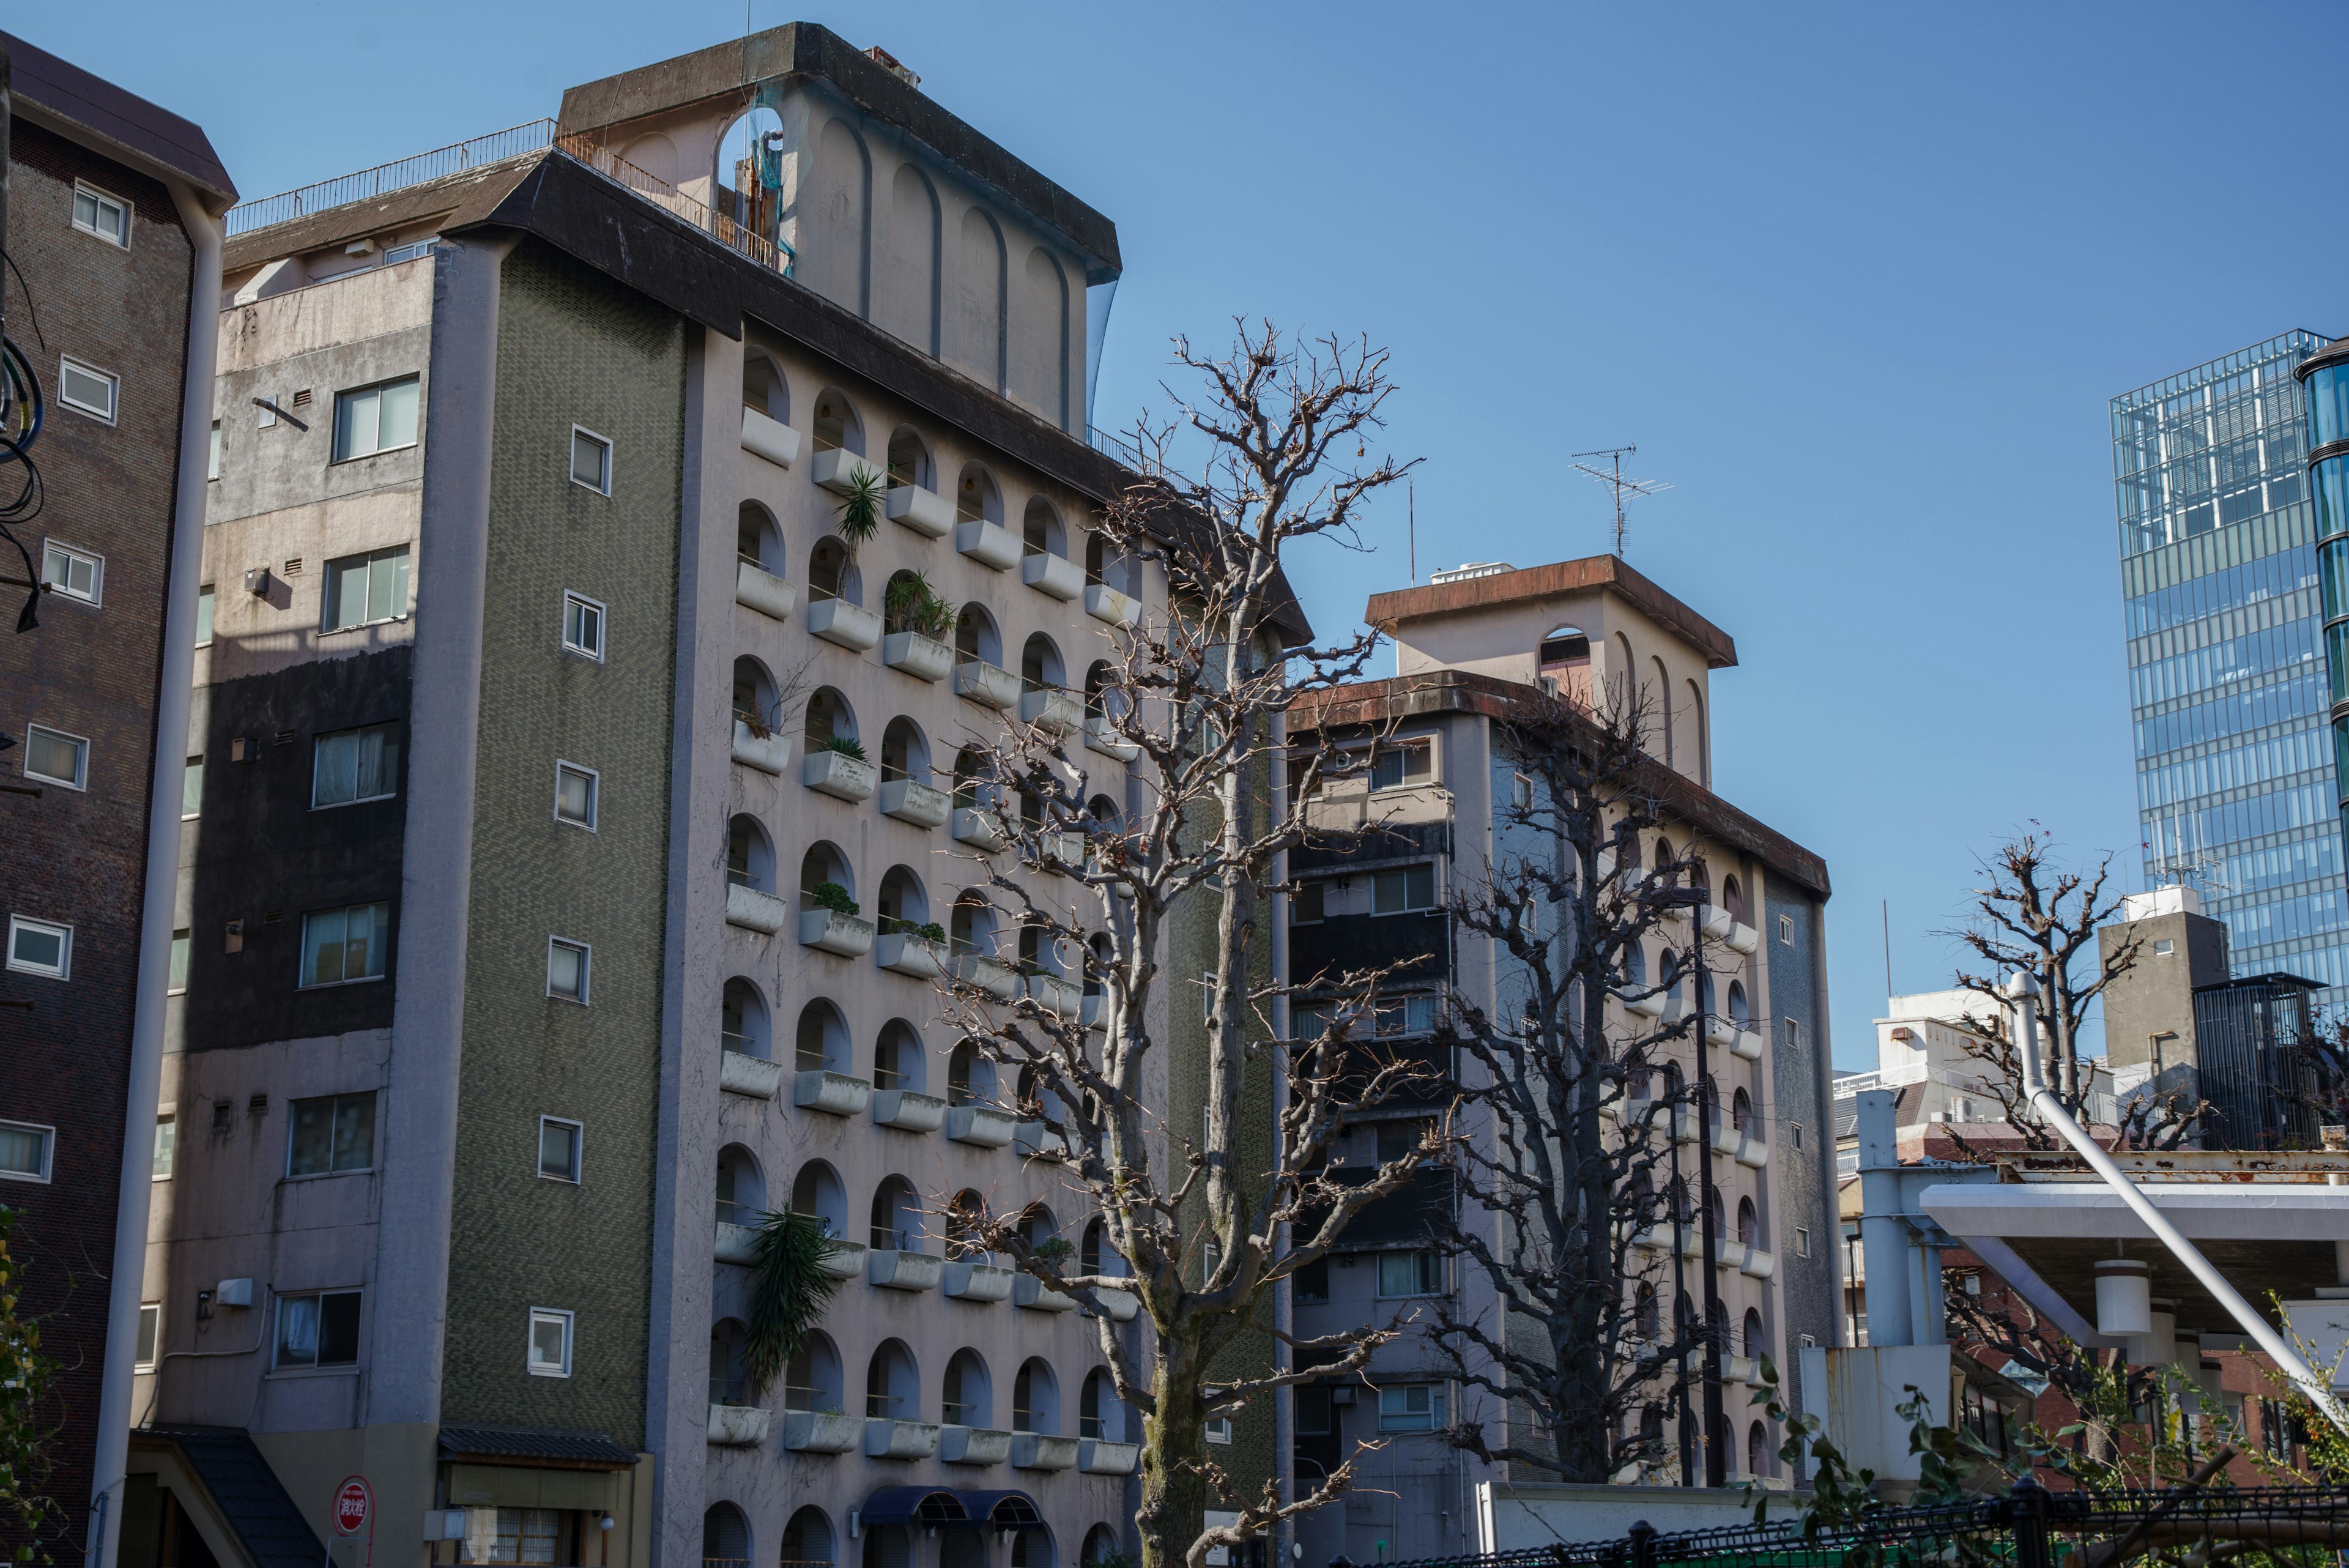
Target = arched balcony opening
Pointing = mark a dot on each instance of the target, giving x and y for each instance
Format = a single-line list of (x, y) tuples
[(969, 1393), (817, 1193), (897, 1217), (1563, 665), (1036, 1399), (742, 1022), (837, 425), (909, 460), (749, 856), (725, 1537), (741, 1186), (822, 1044), (898, 1060), (977, 499), (758, 540), (893, 1384)]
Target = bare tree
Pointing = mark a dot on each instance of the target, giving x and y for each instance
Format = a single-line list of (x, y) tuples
[(1198, 697)]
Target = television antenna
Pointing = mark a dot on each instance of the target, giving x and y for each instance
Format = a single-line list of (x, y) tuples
[(1612, 477)]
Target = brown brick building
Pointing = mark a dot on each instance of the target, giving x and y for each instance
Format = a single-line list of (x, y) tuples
[(111, 221)]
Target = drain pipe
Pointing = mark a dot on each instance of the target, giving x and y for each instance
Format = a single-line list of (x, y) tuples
[(2024, 992)]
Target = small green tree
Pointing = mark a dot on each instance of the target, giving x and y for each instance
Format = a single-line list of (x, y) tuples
[(28, 1514)]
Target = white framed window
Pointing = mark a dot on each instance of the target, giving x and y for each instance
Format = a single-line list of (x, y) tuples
[(1786, 929), (183, 946), (560, 1141), (566, 970), (40, 947), (578, 791), (74, 574), (1793, 1032), (87, 389), (191, 790), (28, 1151), (549, 1341), (591, 460), (55, 757), (1521, 791), (151, 1331), (354, 766), (393, 255), (331, 1136), (1402, 889), (583, 627), (101, 213), (1417, 1273), (318, 1328), (1795, 1130), (1848, 1162), (1802, 1240), (166, 1145), (369, 420), (1403, 764), (344, 947), (211, 465), (362, 590), (1217, 1428), (1410, 1407), (204, 616)]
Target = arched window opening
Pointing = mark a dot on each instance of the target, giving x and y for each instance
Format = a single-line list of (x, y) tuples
[(812, 1378), (749, 857), (1757, 1450), (904, 753), (829, 719), (969, 1394), (904, 909), (909, 460), (1661, 718), (1101, 1416), (897, 1217), (893, 1385), (1041, 530), (821, 1042), (742, 1020), (728, 1383), (897, 1058), (807, 1540), (755, 703), (1740, 1112), (972, 932), (1754, 1344), (1100, 1546), (976, 500), (817, 1192), (757, 540), (1098, 967), (725, 1537), (1040, 664), (972, 771), (741, 1186), (1749, 1224), (1733, 900), (1647, 1313), (824, 869), (836, 424), (765, 389), (1564, 665), (970, 1077), (1737, 1002), (1035, 1400), (966, 1228), (975, 636), (833, 572)]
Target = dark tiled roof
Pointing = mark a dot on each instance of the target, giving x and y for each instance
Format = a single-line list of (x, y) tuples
[(134, 130), (561, 1448), (247, 1493)]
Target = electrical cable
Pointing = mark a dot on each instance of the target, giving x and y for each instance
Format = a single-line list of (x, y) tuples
[(24, 409)]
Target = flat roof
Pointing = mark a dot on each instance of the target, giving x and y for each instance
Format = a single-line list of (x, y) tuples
[(122, 125), (1556, 580)]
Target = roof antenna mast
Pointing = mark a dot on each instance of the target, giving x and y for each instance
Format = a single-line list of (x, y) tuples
[(1612, 477)]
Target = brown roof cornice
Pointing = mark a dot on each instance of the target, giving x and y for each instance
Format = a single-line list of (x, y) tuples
[(1386, 611)]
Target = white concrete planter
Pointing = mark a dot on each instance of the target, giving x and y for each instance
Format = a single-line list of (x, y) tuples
[(765, 436), (888, 1439), (1737, 1368), (1715, 922), (924, 805), (980, 1127), (1753, 1153), (1099, 737), (911, 956), (827, 930), (840, 470), (815, 1432), (983, 830), (841, 777), (1758, 1264), (1096, 1457), (1684, 1126), (1719, 1032), (978, 1281), (1055, 994), (988, 543), (763, 591), (1029, 1291), (1654, 1239), (754, 910), (739, 1425), (1648, 1006), (1105, 603), (1724, 1138), (1743, 938), (845, 1261), (1118, 1305), (973, 1445), (998, 981), (1056, 712), (1747, 1044), (753, 1077), (1035, 1451), (988, 683), (1054, 574), (1089, 1010), (922, 657), (900, 1270), (1041, 1139), (736, 1244), (770, 753), (833, 1094), (1675, 914), (1062, 851), (926, 512), (852, 627), (907, 1111)]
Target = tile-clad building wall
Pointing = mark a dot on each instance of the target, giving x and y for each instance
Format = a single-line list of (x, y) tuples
[(76, 857), (1793, 927), (573, 348)]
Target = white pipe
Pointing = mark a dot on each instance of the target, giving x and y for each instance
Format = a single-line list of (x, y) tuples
[(2024, 992)]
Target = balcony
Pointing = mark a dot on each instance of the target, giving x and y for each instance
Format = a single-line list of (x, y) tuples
[(1055, 712), (845, 1261), (914, 957), (763, 591), (843, 472), (840, 775), (982, 1282), (752, 1078), (755, 911), (736, 1244), (852, 627), (1739, 1369), (981, 1126), (1117, 1303), (769, 438), (1043, 1140), (1651, 1006), (1055, 575), (830, 931), (1035, 1451), (981, 829), (819, 1432), (1723, 1137), (926, 512), (986, 683), (1735, 934), (1758, 1264), (1028, 1291), (770, 753), (1720, 1032), (990, 544), (1099, 737), (1747, 1044), (833, 1094), (739, 1425), (1055, 995), (885, 1439), (1096, 1457), (924, 805), (1753, 1153), (973, 1445), (1106, 604), (998, 981), (895, 1269), (922, 657), (907, 1111)]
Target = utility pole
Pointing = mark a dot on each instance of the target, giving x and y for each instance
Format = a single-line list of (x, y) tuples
[(1612, 477)]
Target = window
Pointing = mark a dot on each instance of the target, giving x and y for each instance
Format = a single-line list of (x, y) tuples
[(575, 795), (76, 573), (320, 1329), (1793, 1032), (393, 256), (376, 419), (2164, 948), (1786, 929), (558, 1148), (150, 1330), (1410, 1407), (204, 616), (1305, 905), (1802, 1240), (88, 389), (191, 790), (212, 466), (1795, 1130), (583, 626), (353, 765), (591, 460), (182, 942), (55, 757), (166, 1145), (364, 590), (1217, 1428), (1407, 888), (566, 970), (1395, 766), (40, 947), (550, 1343), (1848, 1162), (331, 1135), (343, 947), (1311, 1282), (1410, 1274), (1521, 793), (107, 217), (25, 1150)]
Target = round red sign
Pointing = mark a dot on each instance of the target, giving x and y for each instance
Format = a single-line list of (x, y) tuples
[(353, 1503)]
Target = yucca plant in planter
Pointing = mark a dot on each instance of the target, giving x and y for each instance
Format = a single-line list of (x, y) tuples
[(847, 746), (789, 1294), (862, 503)]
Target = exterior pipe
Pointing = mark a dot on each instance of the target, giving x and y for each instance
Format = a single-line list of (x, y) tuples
[(2024, 992)]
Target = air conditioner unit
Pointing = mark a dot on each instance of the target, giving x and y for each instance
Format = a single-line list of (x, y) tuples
[(1343, 1394), (234, 1292)]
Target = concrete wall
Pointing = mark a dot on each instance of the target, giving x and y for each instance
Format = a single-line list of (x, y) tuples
[(1793, 924)]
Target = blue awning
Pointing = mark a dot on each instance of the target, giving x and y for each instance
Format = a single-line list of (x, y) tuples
[(1003, 1510), (915, 1505)]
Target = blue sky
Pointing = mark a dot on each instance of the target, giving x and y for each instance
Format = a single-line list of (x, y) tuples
[(1858, 282)]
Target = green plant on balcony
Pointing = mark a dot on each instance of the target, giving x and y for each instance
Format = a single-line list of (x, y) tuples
[(831, 896), (927, 931), (788, 1293), (912, 605), (845, 745), (1055, 1250), (860, 508)]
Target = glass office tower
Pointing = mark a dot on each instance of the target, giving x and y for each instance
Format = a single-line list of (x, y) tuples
[(2229, 694)]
